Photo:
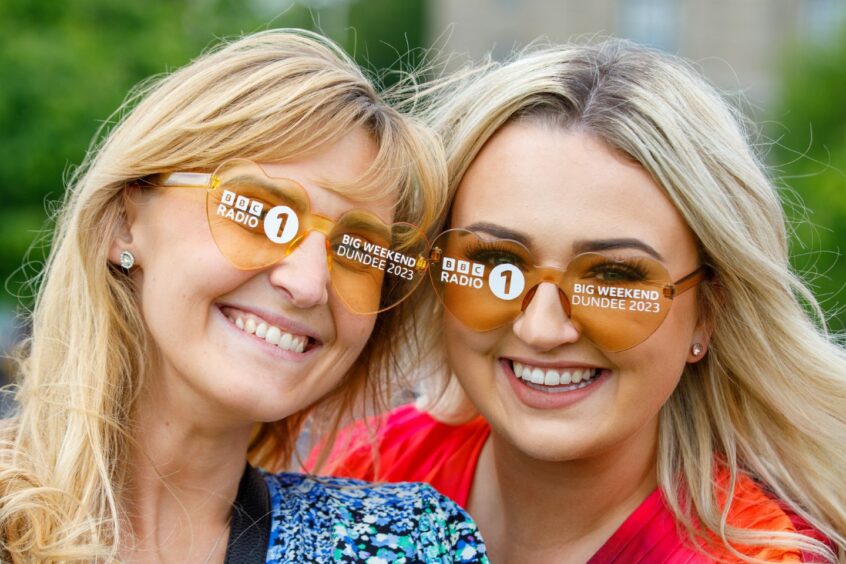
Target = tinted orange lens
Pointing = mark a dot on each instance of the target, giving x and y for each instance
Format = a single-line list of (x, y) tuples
[(254, 219), (480, 282), (616, 303), (374, 267)]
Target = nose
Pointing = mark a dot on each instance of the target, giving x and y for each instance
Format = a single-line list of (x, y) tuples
[(544, 324), (303, 275)]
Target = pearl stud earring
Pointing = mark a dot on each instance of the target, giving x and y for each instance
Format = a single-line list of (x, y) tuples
[(696, 349)]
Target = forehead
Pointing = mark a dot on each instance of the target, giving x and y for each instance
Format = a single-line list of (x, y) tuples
[(341, 163), (562, 186)]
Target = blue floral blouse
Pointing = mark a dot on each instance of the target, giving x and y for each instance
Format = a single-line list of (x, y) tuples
[(344, 520)]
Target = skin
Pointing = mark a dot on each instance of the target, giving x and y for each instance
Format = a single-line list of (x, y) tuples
[(212, 381), (553, 483)]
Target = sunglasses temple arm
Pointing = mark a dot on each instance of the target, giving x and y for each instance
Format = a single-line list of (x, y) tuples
[(188, 180), (686, 283)]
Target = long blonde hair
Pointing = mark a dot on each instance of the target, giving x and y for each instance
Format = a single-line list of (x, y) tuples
[(769, 399), (272, 96)]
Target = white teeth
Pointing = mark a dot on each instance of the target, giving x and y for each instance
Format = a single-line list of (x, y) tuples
[(285, 341), (273, 335), (551, 377), (537, 376)]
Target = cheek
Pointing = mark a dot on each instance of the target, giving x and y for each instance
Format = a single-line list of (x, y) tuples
[(352, 331), (651, 370), (465, 345), (472, 357)]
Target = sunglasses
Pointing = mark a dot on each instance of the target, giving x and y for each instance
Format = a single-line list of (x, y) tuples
[(257, 220), (616, 303)]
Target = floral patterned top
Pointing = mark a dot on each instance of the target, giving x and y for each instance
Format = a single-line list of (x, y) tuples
[(316, 519)]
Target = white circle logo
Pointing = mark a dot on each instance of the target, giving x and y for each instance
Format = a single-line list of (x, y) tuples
[(281, 224), (506, 281)]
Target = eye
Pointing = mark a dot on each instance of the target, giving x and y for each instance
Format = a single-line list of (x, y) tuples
[(494, 255), (616, 272)]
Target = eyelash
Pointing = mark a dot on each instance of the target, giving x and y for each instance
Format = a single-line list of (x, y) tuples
[(484, 252), (631, 270)]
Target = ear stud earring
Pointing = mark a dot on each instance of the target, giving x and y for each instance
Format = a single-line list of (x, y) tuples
[(696, 349), (127, 260)]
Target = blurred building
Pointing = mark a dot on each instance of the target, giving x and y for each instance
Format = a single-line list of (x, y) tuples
[(738, 44)]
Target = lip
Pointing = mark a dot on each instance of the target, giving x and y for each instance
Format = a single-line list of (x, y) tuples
[(549, 400), (264, 346), (283, 323)]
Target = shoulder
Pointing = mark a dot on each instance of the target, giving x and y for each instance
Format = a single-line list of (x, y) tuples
[(753, 508), (402, 440), (343, 518)]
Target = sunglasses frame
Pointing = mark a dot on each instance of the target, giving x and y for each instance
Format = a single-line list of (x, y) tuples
[(557, 277), (310, 221)]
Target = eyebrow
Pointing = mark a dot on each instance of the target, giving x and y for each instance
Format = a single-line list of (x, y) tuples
[(500, 232), (595, 245), (579, 247)]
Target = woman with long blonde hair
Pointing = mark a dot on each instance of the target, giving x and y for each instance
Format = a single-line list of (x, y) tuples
[(220, 271), (648, 380)]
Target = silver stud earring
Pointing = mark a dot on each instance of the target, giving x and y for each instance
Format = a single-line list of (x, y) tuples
[(696, 349), (127, 260)]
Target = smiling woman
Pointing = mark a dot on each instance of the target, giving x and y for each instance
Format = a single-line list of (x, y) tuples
[(644, 382), (197, 307)]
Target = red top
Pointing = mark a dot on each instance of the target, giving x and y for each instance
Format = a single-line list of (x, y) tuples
[(415, 447)]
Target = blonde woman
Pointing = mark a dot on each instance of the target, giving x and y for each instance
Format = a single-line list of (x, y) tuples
[(206, 291), (620, 312)]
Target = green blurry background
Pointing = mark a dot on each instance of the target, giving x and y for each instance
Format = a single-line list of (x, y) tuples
[(65, 66)]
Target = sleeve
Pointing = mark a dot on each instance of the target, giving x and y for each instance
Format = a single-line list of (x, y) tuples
[(448, 533)]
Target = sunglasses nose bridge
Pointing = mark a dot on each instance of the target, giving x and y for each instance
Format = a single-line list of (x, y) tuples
[(554, 277), (320, 224)]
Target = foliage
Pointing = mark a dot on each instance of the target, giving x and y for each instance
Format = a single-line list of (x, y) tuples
[(810, 158)]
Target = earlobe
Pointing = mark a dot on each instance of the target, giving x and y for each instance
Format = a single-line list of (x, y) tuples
[(699, 343), (121, 248)]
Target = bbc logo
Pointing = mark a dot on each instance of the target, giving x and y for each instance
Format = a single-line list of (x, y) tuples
[(463, 267), (242, 203)]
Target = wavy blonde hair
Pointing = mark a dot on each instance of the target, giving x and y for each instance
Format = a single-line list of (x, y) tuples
[(769, 399), (272, 96)]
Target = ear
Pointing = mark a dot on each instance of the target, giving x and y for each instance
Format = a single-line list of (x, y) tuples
[(122, 237), (701, 335)]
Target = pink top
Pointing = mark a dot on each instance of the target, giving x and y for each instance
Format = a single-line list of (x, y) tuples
[(412, 446)]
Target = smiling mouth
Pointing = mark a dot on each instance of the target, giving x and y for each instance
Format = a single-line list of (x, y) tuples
[(271, 334), (554, 380)]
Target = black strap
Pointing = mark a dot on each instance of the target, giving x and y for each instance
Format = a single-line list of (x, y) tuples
[(250, 528)]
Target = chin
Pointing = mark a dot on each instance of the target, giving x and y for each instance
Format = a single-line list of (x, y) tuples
[(550, 444)]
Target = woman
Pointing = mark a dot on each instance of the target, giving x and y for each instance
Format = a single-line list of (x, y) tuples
[(621, 313), (205, 293)]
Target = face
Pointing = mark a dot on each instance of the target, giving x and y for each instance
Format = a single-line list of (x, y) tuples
[(215, 325), (565, 192)]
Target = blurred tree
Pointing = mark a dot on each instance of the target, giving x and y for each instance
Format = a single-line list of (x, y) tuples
[(811, 159), (68, 65)]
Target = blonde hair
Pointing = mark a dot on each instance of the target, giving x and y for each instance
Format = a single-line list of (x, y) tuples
[(769, 399), (272, 96)]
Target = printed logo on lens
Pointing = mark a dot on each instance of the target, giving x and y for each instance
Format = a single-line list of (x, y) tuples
[(239, 209), (462, 272)]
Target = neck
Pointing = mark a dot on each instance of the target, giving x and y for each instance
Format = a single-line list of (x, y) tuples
[(183, 478), (562, 511)]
